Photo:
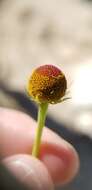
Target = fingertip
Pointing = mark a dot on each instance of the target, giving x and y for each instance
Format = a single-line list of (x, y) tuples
[(63, 164), (29, 171)]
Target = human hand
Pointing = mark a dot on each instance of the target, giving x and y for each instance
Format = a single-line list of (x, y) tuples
[(58, 161)]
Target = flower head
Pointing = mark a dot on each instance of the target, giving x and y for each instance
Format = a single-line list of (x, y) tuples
[(47, 84)]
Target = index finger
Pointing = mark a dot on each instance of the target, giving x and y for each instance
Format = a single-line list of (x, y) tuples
[(17, 131)]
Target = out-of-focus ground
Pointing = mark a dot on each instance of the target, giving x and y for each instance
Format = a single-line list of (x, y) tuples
[(56, 32)]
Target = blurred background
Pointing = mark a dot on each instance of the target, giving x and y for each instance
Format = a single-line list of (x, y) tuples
[(58, 32)]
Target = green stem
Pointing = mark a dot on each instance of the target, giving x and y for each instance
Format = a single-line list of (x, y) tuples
[(41, 121)]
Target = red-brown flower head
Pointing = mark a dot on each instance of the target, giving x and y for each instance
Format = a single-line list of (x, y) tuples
[(47, 84)]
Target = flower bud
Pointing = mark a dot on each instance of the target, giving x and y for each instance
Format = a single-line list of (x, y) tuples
[(47, 84)]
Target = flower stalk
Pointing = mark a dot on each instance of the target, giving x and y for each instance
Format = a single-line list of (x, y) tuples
[(41, 122)]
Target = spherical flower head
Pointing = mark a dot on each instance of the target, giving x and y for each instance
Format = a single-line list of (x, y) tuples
[(47, 84)]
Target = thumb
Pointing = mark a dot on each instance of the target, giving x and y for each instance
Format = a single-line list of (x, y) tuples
[(30, 171)]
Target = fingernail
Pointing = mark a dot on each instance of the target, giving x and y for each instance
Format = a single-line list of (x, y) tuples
[(30, 171)]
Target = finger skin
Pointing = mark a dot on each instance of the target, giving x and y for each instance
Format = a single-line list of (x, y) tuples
[(29, 170), (17, 131)]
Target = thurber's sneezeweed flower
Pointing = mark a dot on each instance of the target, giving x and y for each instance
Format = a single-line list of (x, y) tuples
[(47, 84)]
